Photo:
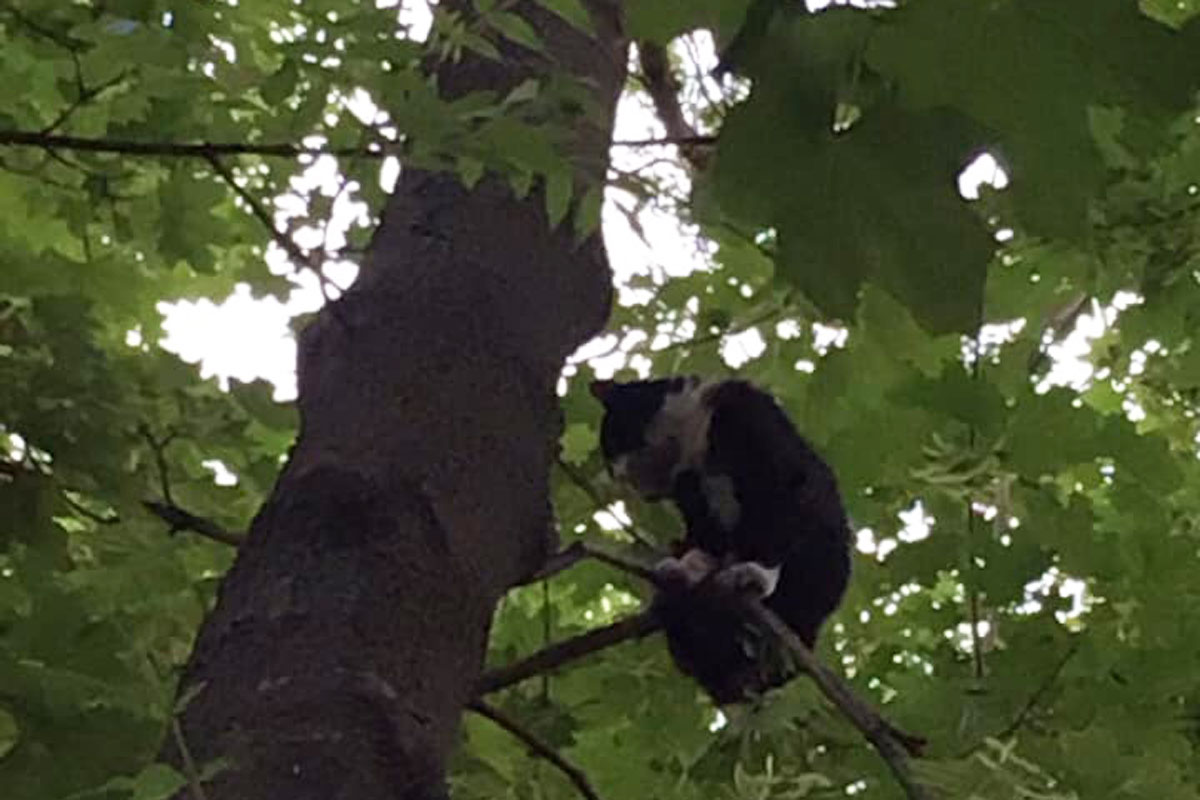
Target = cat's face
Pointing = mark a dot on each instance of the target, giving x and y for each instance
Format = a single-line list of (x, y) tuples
[(639, 448)]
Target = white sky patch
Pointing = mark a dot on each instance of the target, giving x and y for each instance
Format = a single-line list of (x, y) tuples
[(983, 171), (1069, 356), (241, 338), (222, 474), (741, 348), (917, 523), (827, 336), (614, 518)]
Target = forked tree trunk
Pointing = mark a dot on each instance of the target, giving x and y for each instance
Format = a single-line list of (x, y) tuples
[(349, 633)]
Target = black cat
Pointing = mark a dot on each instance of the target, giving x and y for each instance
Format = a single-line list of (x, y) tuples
[(763, 515)]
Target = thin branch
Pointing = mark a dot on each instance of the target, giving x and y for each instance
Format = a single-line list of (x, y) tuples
[(556, 655), (289, 246), (539, 748), (562, 560), (682, 141), (129, 147), (85, 512), (158, 447), (202, 150), (1062, 319), (86, 95), (182, 520), (1033, 702), (61, 39), (721, 335), (664, 93), (189, 764), (580, 480), (892, 744)]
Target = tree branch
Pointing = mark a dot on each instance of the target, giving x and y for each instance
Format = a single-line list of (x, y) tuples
[(260, 213), (182, 520), (539, 748), (601, 504), (664, 93), (205, 150), (1033, 702), (892, 744), (1060, 321), (86, 95), (556, 655)]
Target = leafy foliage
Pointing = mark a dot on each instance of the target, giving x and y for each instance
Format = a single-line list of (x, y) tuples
[(1025, 596)]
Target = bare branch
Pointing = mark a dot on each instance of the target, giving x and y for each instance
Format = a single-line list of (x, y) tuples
[(664, 93), (182, 520), (1061, 320), (186, 149), (581, 480), (189, 764), (576, 552), (289, 246), (86, 95), (85, 512), (203, 150), (539, 748), (556, 655), (892, 744), (562, 560), (158, 448), (1033, 702)]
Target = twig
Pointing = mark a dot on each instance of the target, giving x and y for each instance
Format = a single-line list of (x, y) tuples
[(1059, 322), (539, 748), (86, 95), (721, 335), (158, 447), (61, 39), (683, 141), (375, 150), (1033, 702), (577, 551), (189, 765), (202, 150), (556, 655), (664, 93), (562, 560), (580, 480), (182, 520), (892, 744), (85, 512), (289, 246)]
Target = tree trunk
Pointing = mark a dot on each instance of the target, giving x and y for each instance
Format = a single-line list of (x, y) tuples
[(351, 629)]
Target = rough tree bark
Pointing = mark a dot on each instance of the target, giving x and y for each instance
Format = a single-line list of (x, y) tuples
[(352, 628)]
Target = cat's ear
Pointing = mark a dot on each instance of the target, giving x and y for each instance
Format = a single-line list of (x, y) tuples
[(602, 390)]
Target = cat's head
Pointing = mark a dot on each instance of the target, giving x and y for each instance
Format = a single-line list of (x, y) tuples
[(637, 446)]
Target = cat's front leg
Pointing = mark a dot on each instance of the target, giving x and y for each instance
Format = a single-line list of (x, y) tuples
[(686, 571), (748, 577)]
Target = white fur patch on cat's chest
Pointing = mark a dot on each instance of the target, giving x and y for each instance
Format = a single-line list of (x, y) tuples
[(721, 498), (685, 417)]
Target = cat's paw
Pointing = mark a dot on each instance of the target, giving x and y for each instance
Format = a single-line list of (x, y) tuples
[(748, 578), (687, 570)]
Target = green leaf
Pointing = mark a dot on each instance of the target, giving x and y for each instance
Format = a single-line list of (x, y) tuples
[(516, 29), (559, 187), (10, 732), (573, 12)]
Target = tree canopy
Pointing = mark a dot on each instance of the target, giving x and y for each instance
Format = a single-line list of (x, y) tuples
[(1005, 376)]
